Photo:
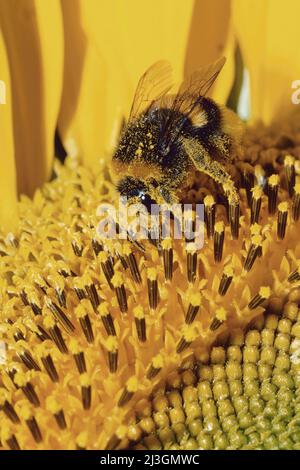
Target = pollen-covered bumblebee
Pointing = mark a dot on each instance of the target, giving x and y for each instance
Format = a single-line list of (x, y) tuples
[(169, 136)]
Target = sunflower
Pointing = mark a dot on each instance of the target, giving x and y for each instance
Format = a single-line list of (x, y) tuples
[(105, 346)]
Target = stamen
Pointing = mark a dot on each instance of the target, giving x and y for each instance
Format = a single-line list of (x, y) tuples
[(78, 355), (294, 276), (256, 204), (272, 190), (117, 438), (28, 360), (86, 391), (193, 308), (191, 259), (133, 266), (80, 292), (153, 294), (34, 429), (18, 335), (167, 258), (92, 295), (11, 372), (61, 297), (60, 315), (85, 322), (118, 283), (123, 260), (290, 173), (219, 319), (60, 419), (156, 365), (58, 283), (7, 406), (140, 322), (186, 340), (55, 334), (282, 219), (97, 247), (54, 407), (80, 362), (258, 299), (12, 443), (226, 280), (154, 234), (296, 202), (77, 246), (21, 381), (113, 353), (210, 215), (40, 281), (107, 267), (42, 333), (234, 217), (10, 412), (63, 269), (27, 415), (129, 390), (254, 252), (23, 297), (107, 319), (57, 337), (35, 308), (34, 302), (219, 236), (50, 367)]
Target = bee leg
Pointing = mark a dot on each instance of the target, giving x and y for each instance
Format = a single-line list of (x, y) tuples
[(205, 164), (222, 142)]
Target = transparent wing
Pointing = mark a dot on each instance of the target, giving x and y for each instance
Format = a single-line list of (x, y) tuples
[(186, 100), (152, 86)]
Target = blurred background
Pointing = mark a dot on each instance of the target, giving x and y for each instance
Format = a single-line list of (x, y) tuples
[(68, 70)]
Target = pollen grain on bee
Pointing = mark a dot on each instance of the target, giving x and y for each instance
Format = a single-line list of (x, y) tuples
[(161, 222)]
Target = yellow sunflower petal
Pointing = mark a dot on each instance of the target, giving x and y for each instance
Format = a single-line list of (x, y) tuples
[(210, 37), (8, 196), (32, 31), (223, 85), (108, 47), (268, 34)]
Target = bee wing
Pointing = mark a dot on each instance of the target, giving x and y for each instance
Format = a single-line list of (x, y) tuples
[(198, 84), (185, 101), (153, 84)]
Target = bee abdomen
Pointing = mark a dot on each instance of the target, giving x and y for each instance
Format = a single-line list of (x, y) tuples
[(206, 117)]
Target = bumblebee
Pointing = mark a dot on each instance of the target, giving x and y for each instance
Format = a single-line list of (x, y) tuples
[(169, 136)]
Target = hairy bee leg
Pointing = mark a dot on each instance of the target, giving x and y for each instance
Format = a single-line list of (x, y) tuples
[(202, 162)]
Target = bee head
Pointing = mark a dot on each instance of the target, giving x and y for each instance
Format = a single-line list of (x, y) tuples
[(136, 190)]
